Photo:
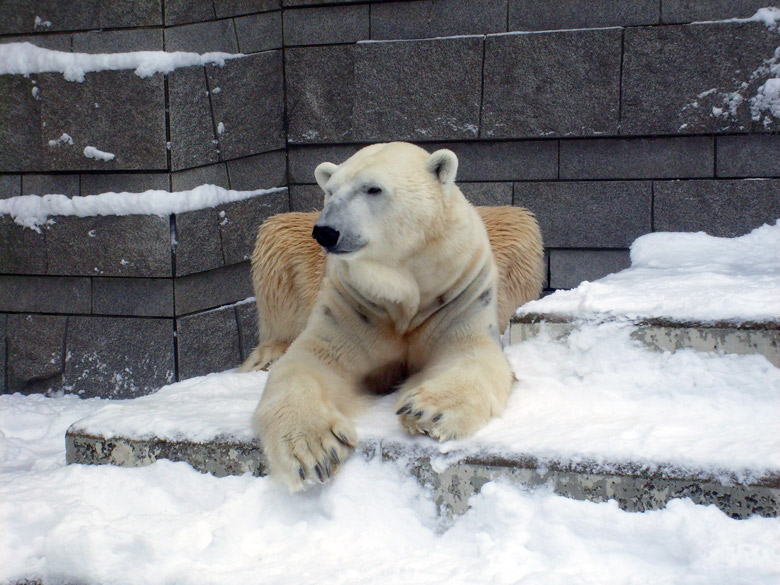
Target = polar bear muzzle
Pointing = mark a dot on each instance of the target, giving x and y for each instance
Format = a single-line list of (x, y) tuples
[(325, 235)]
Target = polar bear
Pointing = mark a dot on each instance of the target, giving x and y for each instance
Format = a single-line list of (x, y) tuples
[(288, 266), (408, 299)]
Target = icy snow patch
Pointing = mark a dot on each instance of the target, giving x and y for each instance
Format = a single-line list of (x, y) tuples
[(34, 210), (684, 277), (92, 152), (26, 58)]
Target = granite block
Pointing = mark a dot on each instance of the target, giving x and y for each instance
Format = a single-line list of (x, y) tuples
[(306, 198), (225, 8), (184, 11), (3, 355), (137, 297), (677, 11), (51, 185), (193, 136), (553, 84), (10, 186), (249, 108), (207, 342), (114, 111), (55, 42), (608, 214), (215, 288), (35, 352), (293, 3), (757, 155), (118, 41), (22, 250), (202, 37), (487, 193), (130, 13), (637, 158), (696, 78), (723, 208), (437, 18), (21, 16), (42, 294), (261, 171), (94, 184), (568, 268), (325, 26), (304, 159), (259, 32), (128, 245), (118, 357), (240, 220), (246, 316), (320, 84), (215, 174), (524, 160), (572, 14), (198, 247), (421, 90), (20, 124)]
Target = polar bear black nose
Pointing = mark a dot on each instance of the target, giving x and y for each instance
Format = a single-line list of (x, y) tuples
[(325, 236)]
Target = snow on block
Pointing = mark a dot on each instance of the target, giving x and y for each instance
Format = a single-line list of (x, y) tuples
[(594, 415)]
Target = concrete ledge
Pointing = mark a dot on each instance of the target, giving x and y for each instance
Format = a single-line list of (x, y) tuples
[(454, 478)]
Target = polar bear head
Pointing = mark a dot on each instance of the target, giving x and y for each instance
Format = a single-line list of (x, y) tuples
[(385, 197)]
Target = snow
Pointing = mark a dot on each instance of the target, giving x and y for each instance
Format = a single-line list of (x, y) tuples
[(683, 277), (26, 58), (92, 152), (35, 210), (374, 524)]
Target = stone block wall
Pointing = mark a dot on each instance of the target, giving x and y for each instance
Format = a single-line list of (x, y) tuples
[(608, 120)]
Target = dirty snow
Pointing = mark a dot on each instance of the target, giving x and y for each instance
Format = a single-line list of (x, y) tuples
[(34, 211), (683, 277), (26, 58)]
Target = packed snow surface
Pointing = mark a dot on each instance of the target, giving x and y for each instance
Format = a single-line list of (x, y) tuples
[(97, 154), (26, 58), (596, 393), (683, 277), (35, 210)]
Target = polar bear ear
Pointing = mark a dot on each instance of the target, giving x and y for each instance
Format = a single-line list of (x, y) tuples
[(444, 165), (323, 172)]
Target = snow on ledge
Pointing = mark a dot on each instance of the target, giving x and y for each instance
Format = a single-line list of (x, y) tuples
[(682, 277), (26, 58), (32, 211)]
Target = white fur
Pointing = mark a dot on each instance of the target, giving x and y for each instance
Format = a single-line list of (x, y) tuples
[(410, 299)]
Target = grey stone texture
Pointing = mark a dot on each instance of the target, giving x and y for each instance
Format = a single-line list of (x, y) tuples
[(207, 342), (137, 297), (637, 158), (302, 160), (689, 79), (522, 160), (214, 288), (20, 124), (118, 41), (129, 245), (36, 356), (131, 356), (186, 180), (22, 250), (246, 317), (677, 11), (570, 14), (3, 355), (555, 84), (55, 42), (202, 37), (487, 193), (568, 268), (193, 134), (725, 208), (198, 247), (42, 294), (261, 171), (756, 155), (225, 8), (10, 186), (325, 26), (185, 11), (306, 198), (604, 214), (113, 111), (259, 32), (437, 18), (19, 16), (94, 184), (51, 184), (250, 104)]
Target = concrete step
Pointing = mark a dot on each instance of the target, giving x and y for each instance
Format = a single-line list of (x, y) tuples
[(735, 337), (204, 422)]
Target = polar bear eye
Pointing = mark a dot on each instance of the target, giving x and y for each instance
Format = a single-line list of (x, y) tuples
[(373, 190)]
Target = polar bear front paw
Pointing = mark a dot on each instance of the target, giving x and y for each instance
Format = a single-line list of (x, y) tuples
[(439, 414)]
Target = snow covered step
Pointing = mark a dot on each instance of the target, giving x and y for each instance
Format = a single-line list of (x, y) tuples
[(593, 414)]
